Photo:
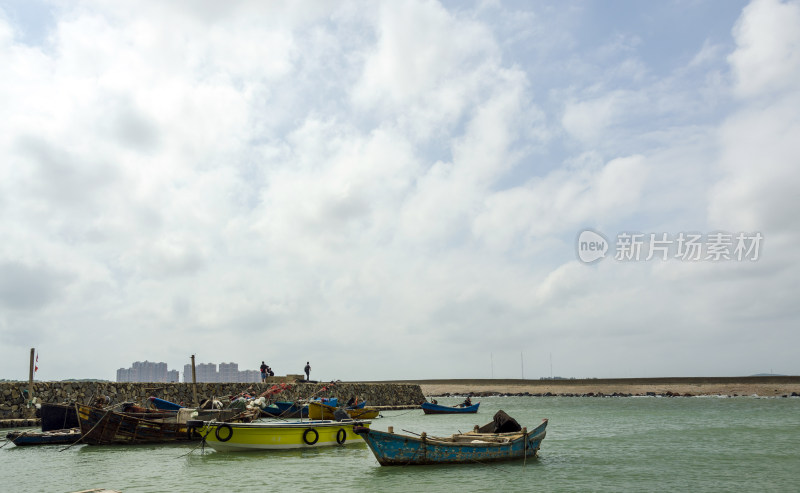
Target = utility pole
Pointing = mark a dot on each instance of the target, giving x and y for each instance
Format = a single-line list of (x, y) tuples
[(194, 384), (30, 378)]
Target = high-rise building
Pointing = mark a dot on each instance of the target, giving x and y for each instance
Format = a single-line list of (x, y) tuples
[(207, 372), (144, 371), (124, 375), (248, 376), (228, 373), (187, 373)]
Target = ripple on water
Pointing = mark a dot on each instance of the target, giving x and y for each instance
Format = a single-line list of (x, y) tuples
[(609, 444)]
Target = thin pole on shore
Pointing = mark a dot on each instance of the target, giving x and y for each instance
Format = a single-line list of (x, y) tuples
[(30, 378), (521, 367), (491, 360), (194, 383)]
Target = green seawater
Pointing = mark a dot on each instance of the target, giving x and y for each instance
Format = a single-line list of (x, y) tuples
[(592, 444)]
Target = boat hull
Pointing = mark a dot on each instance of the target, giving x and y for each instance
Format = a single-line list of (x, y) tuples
[(237, 437), (429, 408), (105, 427), (394, 450), (52, 437), (363, 413), (317, 410)]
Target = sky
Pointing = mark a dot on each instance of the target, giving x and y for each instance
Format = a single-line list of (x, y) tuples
[(397, 189)]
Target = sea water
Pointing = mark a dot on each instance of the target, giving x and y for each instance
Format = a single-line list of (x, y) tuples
[(592, 444)]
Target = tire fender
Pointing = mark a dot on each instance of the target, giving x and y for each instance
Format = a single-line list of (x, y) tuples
[(222, 437), (308, 432)]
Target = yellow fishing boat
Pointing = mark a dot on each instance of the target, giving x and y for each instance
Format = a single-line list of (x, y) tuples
[(363, 413), (318, 410), (225, 437)]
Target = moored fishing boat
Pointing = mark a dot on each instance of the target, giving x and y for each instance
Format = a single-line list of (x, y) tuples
[(363, 413), (52, 437), (318, 410), (101, 426), (134, 409), (291, 409), (271, 411), (476, 446), (431, 408), (164, 405), (360, 405), (226, 437), (105, 426)]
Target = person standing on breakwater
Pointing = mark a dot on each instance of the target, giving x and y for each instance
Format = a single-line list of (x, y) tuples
[(308, 370), (264, 371)]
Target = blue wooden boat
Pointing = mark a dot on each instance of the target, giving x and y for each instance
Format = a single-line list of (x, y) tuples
[(291, 409), (271, 411), (328, 401), (360, 405), (399, 450), (52, 437), (164, 405), (430, 408)]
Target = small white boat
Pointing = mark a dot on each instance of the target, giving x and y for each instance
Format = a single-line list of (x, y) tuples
[(226, 437)]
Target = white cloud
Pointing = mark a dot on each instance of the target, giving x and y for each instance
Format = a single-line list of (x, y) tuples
[(767, 58), (562, 202), (757, 191), (407, 175), (426, 68), (592, 120)]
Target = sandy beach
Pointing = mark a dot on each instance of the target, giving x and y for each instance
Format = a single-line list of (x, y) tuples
[(771, 386)]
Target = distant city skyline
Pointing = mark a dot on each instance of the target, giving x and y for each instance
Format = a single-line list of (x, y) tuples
[(228, 372), (148, 371)]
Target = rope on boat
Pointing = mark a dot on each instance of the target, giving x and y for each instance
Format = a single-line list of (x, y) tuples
[(93, 427), (202, 445), (401, 414), (412, 457), (13, 439)]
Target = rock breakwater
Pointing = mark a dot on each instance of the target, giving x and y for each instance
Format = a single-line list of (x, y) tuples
[(14, 401)]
